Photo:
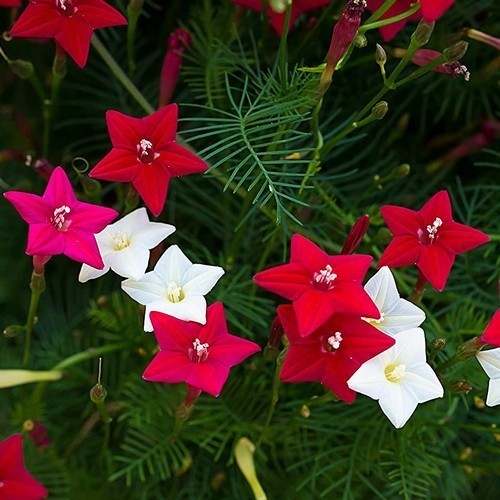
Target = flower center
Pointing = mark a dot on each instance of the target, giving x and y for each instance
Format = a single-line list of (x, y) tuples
[(146, 152), (120, 241), (66, 7), (324, 279), (59, 219), (199, 352), (174, 292), (457, 70), (394, 372), (1, 484), (428, 236), (333, 342)]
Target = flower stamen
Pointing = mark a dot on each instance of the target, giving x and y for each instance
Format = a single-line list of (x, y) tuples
[(334, 341), (58, 220), (174, 292), (324, 279), (432, 230), (66, 7), (120, 241), (394, 372), (199, 352), (146, 152)]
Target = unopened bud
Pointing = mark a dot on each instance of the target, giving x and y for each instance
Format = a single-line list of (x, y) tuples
[(380, 55), (461, 386), (479, 403), (305, 411), (380, 110), (12, 331), (23, 69), (438, 344), (356, 235), (98, 393), (456, 51), (279, 6), (360, 41), (402, 170), (423, 33)]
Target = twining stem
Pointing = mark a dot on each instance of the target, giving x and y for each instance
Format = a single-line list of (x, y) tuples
[(37, 287)]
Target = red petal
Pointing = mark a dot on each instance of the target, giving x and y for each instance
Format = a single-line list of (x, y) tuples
[(161, 126), (402, 251), (231, 350), (312, 309), (288, 281), (74, 37), (81, 246), (216, 324), (209, 376), (288, 321), (32, 208), (335, 378), (59, 190), (120, 165), (168, 367), (125, 131), (459, 238), (438, 206), (491, 334), (180, 161), (351, 298), (307, 254), (90, 217), (23, 487), (350, 267), (432, 10), (11, 453), (435, 262), (37, 21), (99, 14), (151, 182), (172, 334), (303, 364), (44, 239), (401, 220)]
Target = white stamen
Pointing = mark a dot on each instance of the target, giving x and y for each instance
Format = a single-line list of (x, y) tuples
[(174, 292), (199, 352), (335, 340), (432, 230), (462, 70), (120, 240), (394, 373), (58, 220), (325, 277)]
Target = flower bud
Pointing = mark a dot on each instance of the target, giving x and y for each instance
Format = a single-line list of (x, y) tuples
[(456, 51), (461, 386), (13, 378), (356, 235), (279, 6), (98, 393), (43, 167), (243, 453), (380, 55), (23, 69), (483, 37), (423, 33), (305, 411), (438, 344), (360, 41), (12, 331), (401, 171), (380, 110)]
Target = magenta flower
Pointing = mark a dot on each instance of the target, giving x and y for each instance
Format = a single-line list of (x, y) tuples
[(455, 69), (10, 3), (491, 334), (59, 223), (200, 355)]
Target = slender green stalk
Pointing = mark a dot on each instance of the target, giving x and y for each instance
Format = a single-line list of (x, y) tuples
[(134, 11), (37, 287), (380, 11), (283, 48), (89, 354), (384, 22)]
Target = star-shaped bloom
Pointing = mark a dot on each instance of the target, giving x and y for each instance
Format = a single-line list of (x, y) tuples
[(125, 246), (200, 355), (146, 154), (277, 16), (59, 223), (175, 287), (490, 361), (332, 353), (491, 334), (399, 378), (429, 238), (430, 10), (16, 483), (396, 314), (10, 3), (70, 22), (320, 284)]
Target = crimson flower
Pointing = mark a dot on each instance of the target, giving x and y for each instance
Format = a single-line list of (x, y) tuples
[(332, 353), (430, 10), (455, 69), (320, 284), (16, 483), (491, 334), (145, 153), (277, 19), (59, 223), (200, 355), (429, 238), (69, 22), (10, 3)]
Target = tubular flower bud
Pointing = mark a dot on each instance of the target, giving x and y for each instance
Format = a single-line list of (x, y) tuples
[(423, 33), (456, 51), (356, 235), (380, 55), (483, 37), (380, 110), (455, 69)]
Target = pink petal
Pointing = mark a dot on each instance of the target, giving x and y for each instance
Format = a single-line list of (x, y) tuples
[(435, 262), (401, 220), (350, 267), (44, 239), (180, 161), (37, 21), (90, 217), (74, 37), (59, 190), (161, 126), (432, 10), (402, 251), (216, 325), (125, 131), (81, 246), (169, 367), (438, 206), (23, 487), (307, 254), (32, 208), (99, 14), (351, 298), (120, 165), (312, 309), (288, 280), (173, 334), (491, 334), (151, 182), (209, 376), (459, 238)]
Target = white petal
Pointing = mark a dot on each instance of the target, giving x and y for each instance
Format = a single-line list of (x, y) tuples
[(370, 378), (423, 383), (131, 262), (134, 221), (410, 347), (192, 308), (403, 315), (148, 289), (200, 278), (397, 404), (152, 233), (493, 397), (90, 273), (490, 361), (173, 265), (382, 289)]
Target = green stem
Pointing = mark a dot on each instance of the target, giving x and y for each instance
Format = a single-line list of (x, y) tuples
[(133, 14), (89, 354), (384, 22), (380, 11), (121, 76), (37, 286), (421, 71), (283, 50)]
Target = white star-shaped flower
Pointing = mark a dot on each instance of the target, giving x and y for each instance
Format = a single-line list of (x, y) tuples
[(399, 378), (490, 361), (176, 287), (125, 246), (396, 314)]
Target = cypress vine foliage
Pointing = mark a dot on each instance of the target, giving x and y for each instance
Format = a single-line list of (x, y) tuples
[(285, 156)]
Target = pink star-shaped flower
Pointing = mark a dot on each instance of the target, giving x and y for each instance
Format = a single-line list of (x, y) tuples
[(200, 355), (332, 353), (491, 334), (320, 284), (10, 3), (145, 153), (16, 483), (277, 19), (429, 238), (70, 22), (430, 10), (59, 223)]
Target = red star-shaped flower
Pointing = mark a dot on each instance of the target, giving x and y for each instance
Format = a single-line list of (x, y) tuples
[(69, 22), (277, 19), (491, 334), (332, 353), (430, 10), (10, 3), (16, 483), (200, 355), (59, 223), (429, 238), (145, 153), (320, 284)]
